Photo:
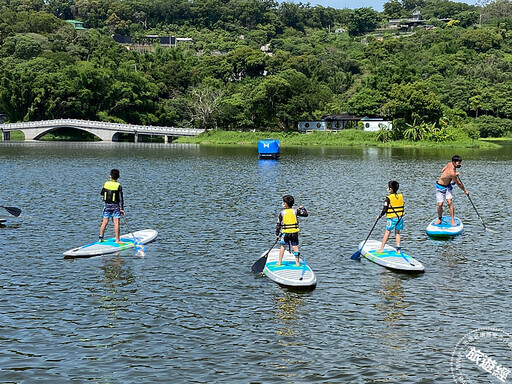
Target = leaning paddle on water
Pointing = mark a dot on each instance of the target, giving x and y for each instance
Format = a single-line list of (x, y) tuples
[(110, 246), (12, 210), (259, 264), (480, 217), (357, 254)]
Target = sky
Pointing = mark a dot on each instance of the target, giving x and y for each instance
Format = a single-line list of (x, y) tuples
[(375, 4)]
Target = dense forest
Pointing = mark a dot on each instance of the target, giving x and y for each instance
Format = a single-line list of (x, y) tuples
[(259, 64)]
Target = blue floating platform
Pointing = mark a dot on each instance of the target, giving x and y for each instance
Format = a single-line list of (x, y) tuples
[(269, 149)]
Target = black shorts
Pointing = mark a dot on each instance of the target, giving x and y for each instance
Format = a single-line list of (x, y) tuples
[(291, 238)]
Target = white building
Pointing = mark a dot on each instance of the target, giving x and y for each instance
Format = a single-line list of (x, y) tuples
[(375, 124), (344, 121)]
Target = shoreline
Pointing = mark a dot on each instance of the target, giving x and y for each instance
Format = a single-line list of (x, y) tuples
[(347, 138), (341, 139)]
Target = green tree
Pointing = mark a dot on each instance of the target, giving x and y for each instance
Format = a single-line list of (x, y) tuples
[(414, 103), (481, 39), (393, 9), (246, 61), (366, 101), (363, 20)]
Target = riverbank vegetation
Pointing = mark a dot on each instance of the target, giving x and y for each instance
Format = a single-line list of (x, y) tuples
[(345, 138), (264, 66)]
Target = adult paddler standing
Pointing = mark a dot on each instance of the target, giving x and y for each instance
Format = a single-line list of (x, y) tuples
[(444, 187)]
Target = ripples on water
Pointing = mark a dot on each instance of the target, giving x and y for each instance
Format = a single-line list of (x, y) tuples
[(191, 311)]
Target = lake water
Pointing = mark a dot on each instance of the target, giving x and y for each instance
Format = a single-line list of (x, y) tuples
[(191, 311)]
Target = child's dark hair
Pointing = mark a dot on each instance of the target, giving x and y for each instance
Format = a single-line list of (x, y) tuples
[(393, 185), (114, 174), (456, 158), (289, 200)]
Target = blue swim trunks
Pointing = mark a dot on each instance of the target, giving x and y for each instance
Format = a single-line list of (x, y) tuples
[(112, 211), (391, 224)]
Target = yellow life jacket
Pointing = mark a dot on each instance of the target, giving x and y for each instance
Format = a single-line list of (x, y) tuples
[(396, 205), (290, 223), (110, 194)]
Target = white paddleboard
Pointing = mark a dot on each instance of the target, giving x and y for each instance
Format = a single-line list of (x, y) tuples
[(288, 274), (110, 245), (445, 228), (390, 258), (2, 221)]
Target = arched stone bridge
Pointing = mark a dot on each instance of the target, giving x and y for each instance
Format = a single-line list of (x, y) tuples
[(34, 130)]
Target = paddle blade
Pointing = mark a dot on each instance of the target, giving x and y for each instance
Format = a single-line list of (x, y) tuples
[(13, 211), (259, 265), (356, 255), (140, 249)]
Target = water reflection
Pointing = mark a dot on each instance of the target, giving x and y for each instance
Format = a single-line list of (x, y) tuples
[(392, 307), (392, 294), (286, 308), (268, 163), (117, 275), (288, 327)]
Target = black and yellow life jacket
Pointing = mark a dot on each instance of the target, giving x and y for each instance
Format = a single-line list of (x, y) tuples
[(396, 205), (110, 192), (290, 223)]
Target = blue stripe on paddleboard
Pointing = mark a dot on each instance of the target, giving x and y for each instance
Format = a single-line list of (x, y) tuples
[(285, 265), (111, 243), (386, 253)]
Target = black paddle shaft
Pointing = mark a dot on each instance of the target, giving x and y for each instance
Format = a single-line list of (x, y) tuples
[(474, 207), (357, 254), (369, 234), (259, 264)]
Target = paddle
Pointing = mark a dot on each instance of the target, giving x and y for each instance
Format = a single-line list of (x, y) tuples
[(303, 269), (12, 210), (140, 248), (259, 265), (357, 254), (471, 201)]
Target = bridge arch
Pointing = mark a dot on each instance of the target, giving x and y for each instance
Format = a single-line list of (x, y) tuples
[(49, 130), (36, 134)]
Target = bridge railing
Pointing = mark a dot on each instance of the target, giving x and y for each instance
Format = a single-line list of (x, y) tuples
[(118, 127)]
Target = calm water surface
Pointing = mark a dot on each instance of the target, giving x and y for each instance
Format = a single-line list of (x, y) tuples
[(191, 311)]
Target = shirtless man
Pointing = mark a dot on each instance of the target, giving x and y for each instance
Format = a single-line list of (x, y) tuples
[(444, 188)]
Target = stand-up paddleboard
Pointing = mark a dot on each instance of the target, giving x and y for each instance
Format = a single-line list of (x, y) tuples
[(390, 258), (287, 274), (445, 229), (2, 221), (110, 245)]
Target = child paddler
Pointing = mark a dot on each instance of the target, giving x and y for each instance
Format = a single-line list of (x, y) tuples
[(288, 227), (394, 211), (112, 194)]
